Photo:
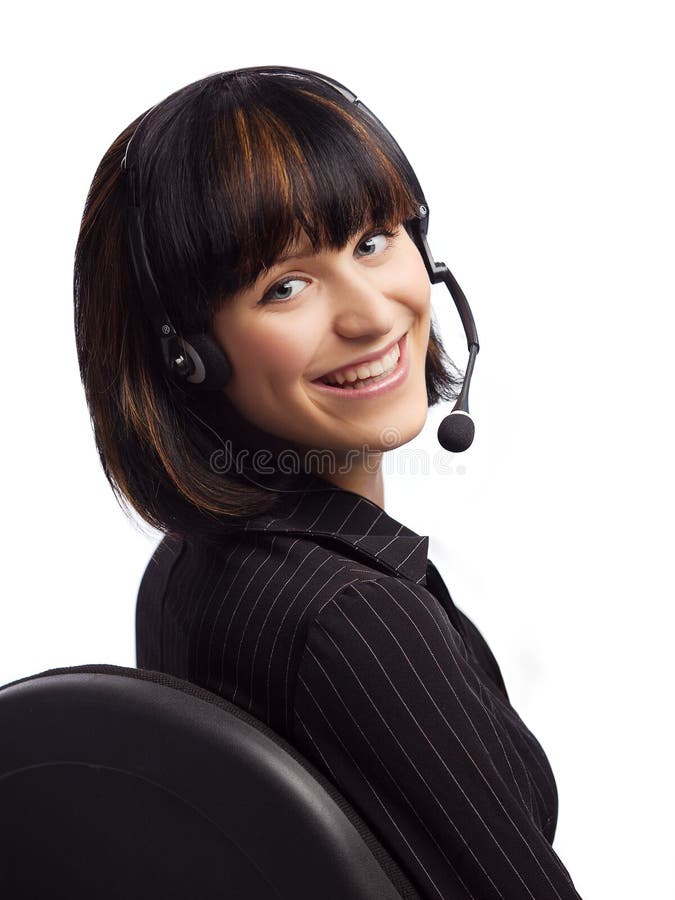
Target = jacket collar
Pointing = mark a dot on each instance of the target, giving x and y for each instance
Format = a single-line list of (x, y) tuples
[(318, 507)]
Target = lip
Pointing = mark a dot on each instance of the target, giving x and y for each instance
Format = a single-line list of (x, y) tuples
[(362, 359), (390, 383)]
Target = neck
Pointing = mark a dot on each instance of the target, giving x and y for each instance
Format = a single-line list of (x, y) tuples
[(361, 475), (347, 469)]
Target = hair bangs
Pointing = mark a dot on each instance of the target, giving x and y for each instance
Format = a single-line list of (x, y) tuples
[(234, 177), (283, 177)]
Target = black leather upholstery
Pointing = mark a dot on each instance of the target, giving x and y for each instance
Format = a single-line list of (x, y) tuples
[(125, 783)]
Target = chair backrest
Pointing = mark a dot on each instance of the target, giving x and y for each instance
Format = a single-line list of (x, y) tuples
[(121, 783)]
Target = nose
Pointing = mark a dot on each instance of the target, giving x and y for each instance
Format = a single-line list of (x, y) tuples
[(361, 305)]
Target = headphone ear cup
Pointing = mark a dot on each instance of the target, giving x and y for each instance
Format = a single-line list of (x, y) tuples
[(212, 367)]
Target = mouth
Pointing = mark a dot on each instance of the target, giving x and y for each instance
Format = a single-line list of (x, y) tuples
[(375, 385)]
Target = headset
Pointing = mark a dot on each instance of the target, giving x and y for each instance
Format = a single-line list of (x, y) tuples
[(199, 361)]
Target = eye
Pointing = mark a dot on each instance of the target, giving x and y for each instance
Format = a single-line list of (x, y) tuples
[(376, 243), (281, 288), (371, 242)]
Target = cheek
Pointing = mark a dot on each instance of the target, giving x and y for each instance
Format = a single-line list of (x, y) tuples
[(274, 354), (413, 281)]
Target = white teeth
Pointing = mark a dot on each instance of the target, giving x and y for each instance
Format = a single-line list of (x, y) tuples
[(365, 370), (376, 367)]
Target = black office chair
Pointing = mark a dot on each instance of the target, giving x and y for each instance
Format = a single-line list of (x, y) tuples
[(120, 783)]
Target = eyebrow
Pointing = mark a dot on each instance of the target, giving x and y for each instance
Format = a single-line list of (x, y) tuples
[(282, 259)]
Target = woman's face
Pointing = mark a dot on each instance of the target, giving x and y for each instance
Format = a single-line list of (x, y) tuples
[(310, 315)]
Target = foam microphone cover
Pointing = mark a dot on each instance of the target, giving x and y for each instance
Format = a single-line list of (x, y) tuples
[(456, 431)]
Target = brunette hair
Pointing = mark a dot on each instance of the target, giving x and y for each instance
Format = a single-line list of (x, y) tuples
[(233, 167)]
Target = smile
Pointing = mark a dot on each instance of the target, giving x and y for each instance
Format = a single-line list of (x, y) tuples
[(395, 372)]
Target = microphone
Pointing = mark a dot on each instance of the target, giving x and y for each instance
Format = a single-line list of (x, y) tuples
[(456, 431)]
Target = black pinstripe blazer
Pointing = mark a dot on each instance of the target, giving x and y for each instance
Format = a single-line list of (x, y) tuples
[(329, 623)]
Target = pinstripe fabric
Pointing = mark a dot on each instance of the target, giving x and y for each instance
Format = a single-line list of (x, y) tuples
[(329, 623)]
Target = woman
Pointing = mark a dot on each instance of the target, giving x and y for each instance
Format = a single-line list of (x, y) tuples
[(244, 247)]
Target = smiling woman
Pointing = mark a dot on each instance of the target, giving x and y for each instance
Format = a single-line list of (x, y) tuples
[(235, 172), (262, 225)]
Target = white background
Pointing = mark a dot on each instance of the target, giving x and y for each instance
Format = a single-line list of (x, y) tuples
[(542, 135)]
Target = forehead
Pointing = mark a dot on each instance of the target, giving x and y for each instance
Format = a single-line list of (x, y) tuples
[(300, 244)]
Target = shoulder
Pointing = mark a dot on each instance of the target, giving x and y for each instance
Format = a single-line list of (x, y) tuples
[(390, 612), (164, 558), (283, 577)]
